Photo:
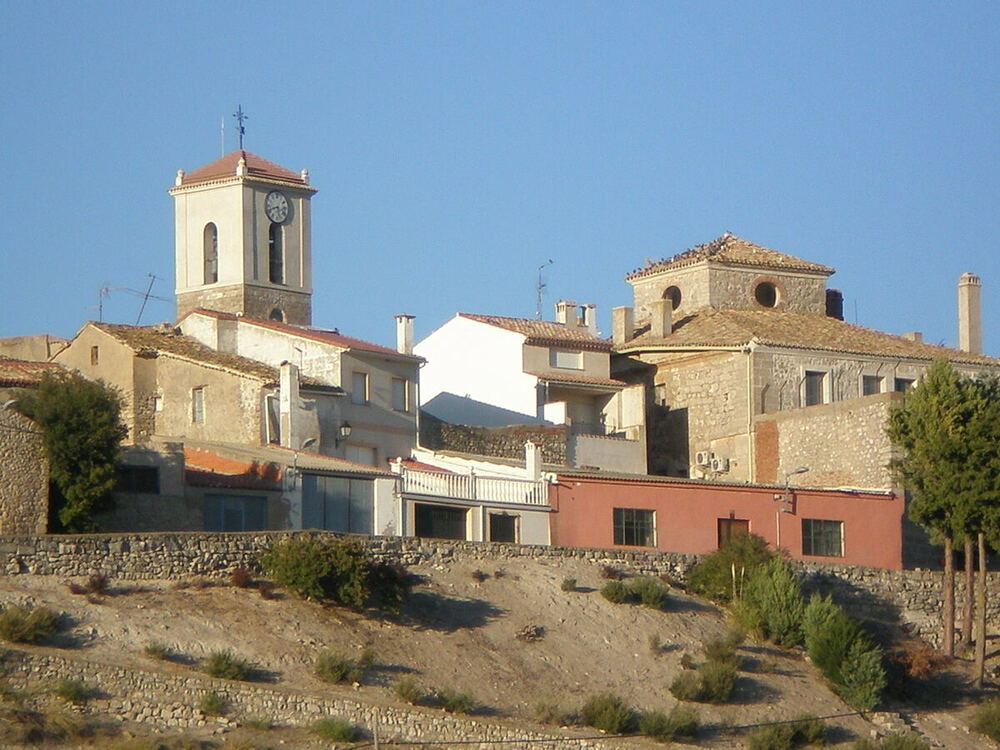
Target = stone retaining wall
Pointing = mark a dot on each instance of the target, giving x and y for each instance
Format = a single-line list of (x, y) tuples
[(912, 595), (171, 701)]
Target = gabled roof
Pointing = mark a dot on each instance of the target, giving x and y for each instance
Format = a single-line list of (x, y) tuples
[(737, 328), (266, 461), (20, 373), (325, 336), (544, 332), (225, 167), (732, 250)]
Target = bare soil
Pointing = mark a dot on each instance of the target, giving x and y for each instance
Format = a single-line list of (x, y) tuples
[(461, 633)]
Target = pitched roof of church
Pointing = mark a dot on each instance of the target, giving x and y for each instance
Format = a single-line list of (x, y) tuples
[(736, 328), (733, 250), (225, 166), (321, 335), (544, 332), (20, 373)]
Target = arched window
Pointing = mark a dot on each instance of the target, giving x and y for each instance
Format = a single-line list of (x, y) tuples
[(673, 294), (277, 315), (210, 251), (275, 254)]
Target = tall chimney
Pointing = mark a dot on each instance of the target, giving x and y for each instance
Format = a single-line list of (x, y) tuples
[(288, 404), (970, 325), (404, 334), (622, 325), (588, 317), (533, 460), (661, 322), (566, 313)]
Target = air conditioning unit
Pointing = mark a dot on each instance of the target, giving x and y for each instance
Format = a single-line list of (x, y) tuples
[(703, 458), (720, 465)]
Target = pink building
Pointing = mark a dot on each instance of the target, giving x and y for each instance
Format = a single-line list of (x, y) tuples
[(691, 516)]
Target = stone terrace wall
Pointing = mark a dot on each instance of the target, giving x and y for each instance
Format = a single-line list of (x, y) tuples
[(24, 476), (171, 701), (912, 595)]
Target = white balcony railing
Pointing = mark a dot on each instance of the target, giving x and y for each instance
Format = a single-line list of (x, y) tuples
[(474, 487)]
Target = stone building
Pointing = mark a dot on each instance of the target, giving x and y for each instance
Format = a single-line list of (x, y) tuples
[(756, 373)]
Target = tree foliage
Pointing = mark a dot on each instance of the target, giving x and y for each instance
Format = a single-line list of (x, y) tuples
[(81, 433)]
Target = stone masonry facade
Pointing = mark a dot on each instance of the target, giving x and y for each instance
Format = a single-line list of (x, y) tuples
[(24, 481)]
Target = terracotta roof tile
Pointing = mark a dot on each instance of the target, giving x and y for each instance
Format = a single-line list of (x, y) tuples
[(733, 328), (544, 332), (581, 379), (266, 461), (225, 166), (731, 249), (21, 373)]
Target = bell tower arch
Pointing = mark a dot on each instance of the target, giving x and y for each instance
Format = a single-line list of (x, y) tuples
[(243, 239)]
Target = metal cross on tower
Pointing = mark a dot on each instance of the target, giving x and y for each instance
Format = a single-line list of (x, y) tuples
[(240, 117)]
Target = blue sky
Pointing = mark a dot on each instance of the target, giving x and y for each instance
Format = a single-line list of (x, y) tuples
[(459, 145)]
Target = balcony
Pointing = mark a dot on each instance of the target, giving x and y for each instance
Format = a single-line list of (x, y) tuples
[(473, 487)]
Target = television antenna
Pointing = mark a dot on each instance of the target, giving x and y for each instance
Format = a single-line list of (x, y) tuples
[(539, 288)]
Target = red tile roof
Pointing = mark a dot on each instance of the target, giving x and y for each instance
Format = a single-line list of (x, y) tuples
[(19, 373), (578, 379), (731, 249), (225, 166), (737, 328), (544, 332), (313, 334)]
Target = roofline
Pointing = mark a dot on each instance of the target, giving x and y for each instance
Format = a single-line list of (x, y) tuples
[(595, 343), (240, 179), (657, 268)]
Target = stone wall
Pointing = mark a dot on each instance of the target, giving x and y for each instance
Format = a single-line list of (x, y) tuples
[(500, 442), (171, 701), (24, 476), (912, 595)]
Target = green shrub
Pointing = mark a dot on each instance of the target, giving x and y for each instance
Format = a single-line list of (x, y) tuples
[(862, 676), (686, 687), (334, 570), (212, 704), (904, 742), (687, 661), (829, 635), (609, 713), (455, 702), (680, 723), (545, 712), (773, 737), (747, 616), (986, 719), (157, 651), (226, 665), (650, 592), (723, 650), (773, 588), (612, 573), (73, 691), (808, 730), (617, 592), (407, 689), (717, 681), (713, 576), (335, 668), (27, 624), (654, 643), (568, 584), (260, 723), (335, 730)]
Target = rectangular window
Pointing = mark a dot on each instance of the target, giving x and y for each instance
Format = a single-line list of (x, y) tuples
[(145, 479), (503, 527), (400, 394), (634, 527), (814, 388), (361, 454), (95, 354), (730, 527), (337, 503), (566, 359), (157, 403), (359, 388), (234, 513), (822, 538), (439, 522), (197, 404), (903, 384), (870, 385), (272, 409)]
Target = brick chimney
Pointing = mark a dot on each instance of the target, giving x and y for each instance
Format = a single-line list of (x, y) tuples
[(404, 334), (566, 313), (970, 325), (622, 325), (661, 322)]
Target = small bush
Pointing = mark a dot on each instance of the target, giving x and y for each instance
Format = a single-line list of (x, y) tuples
[(335, 730), (479, 576), (862, 676), (27, 624), (773, 737), (335, 668), (808, 730), (649, 591), (73, 691), (774, 589), (611, 573), (227, 666), (407, 689), (654, 643), (686, 687), (608, 713), (455, 702), (904, 742), (717, 681), (499, 573), (829, 635), (687, 661), (568, 584), (680, 723), (260, 723), (97, 583), (157, 651), (986, 719), (617, 592), (713, 575), (545, 712), (723, 650), (266, 590), (241, 578), (747, 615), (367, 658), (212, 704), (919, 660)]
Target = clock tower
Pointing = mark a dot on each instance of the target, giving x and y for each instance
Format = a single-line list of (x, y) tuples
[(242, 239)]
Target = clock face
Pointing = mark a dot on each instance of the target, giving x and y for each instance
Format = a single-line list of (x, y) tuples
[(276, 206)]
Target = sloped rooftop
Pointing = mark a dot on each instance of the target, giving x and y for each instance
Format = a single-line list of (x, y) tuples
[(225, 167), (544, 332), (730, 249), (19, 373)]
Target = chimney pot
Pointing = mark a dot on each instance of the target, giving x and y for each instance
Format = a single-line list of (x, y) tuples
[(970, 325), (622, 325), (588, 318), (404, 334), (662, 321), (566, 312)]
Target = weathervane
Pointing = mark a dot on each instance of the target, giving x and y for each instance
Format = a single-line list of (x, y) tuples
[(240, 117)]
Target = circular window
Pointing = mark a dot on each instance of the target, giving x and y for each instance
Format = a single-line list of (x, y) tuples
[(277, 315), (766, 294), (674, 295)]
